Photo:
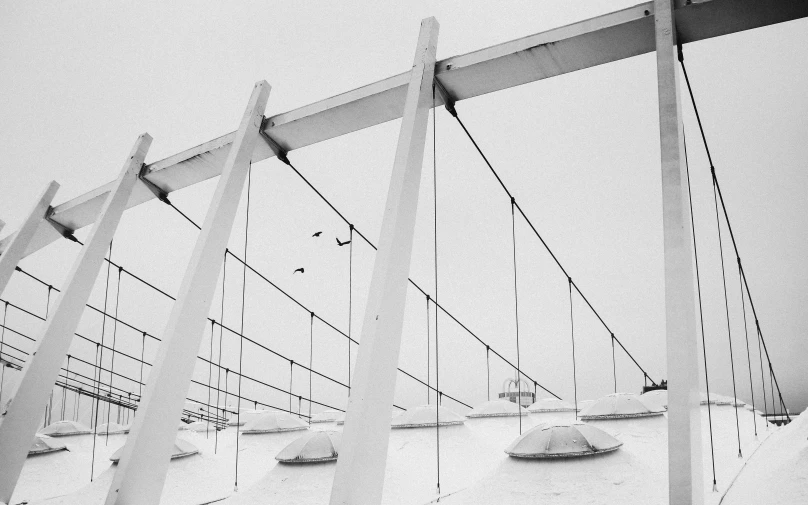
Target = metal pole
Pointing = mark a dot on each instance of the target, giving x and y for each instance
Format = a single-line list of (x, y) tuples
[(359, 477), (19, 427), (685, 478), (142, 469)]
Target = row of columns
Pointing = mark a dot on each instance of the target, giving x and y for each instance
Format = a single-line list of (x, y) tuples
[(359, 476)]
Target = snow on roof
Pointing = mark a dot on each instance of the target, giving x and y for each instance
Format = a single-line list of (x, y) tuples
[(200, 426), (561, 441), (778, 472), (425, 415), (273, 422), (704, 399), (327, 416), (113, 428), (181, 449), (45, 444), (312, 447), (65, 429), (618, 406), (656, 398), (497, 408), (246, 415), (551, 405)]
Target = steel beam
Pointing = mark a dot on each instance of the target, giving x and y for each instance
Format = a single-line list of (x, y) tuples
[(359, 477), (40, 373), (142, 469), (603, 39), (19, 241), (685, 477)]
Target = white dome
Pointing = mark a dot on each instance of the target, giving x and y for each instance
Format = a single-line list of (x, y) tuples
[(619, 406), (551, 405), (113, 428), (425, 415), (45, 444), (181, 449), (199, 426), (327, 416), (656, 398), (246, 416), (497, 408), (65, 429), (562, 441), (314, 446), (273, 422)]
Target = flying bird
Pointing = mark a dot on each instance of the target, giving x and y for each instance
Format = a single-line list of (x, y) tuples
[(317, 234), (301, 270), (343, 243)]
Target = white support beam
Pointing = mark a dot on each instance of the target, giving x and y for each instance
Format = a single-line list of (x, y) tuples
[(19, 241), (19, 427), (685, 478), (603, 39), (359, 478), (141, 472)]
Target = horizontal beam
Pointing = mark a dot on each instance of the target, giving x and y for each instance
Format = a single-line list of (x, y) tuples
[(603, 39)]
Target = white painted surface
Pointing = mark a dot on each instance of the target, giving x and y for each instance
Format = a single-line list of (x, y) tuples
[(685, 479), (144, 463), (360, 468), (19, 241), (19, 425)]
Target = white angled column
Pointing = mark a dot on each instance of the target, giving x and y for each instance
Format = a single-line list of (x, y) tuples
[(142, 469), (16, 249), (359, 477), (685, 477), (19, 427)]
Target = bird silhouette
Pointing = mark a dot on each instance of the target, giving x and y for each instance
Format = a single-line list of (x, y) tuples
[(317, 234), (301, 270), (343, 243)]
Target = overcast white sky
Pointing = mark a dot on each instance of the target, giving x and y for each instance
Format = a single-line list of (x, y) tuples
[(580, 152)]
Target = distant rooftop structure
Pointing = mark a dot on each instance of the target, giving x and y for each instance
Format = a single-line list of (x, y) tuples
[(517, 388), (619, 406)]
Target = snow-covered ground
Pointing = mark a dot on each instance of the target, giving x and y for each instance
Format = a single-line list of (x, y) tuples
[(474, 468)]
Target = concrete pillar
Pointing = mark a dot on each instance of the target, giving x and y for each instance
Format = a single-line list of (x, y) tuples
[(141, 472), (359, 477), (685, 477), (19, 427)]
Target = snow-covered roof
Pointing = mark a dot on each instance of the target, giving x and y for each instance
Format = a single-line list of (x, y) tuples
[(180, 449), (327, 416), (113, 428), (426, 415)]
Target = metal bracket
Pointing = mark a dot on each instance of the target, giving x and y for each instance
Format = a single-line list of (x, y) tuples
[(159, 193), (448, 101), (280, 152), (59, 227)]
